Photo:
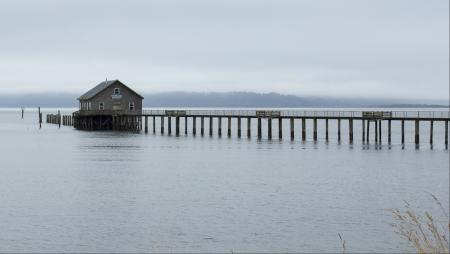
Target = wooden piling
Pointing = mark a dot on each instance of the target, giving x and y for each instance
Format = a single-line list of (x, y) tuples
[(303, 129), (154, 124), (315, 129), (177, 126), (249, 127), (326, 129), (269, 128), (146, 124), (259, 128), (40, 117), (403, 132), (389, 131), (363, 122), (211, 126), (417, 132), (169, 125), (162, 124), (239, 126), (280, 128), (339, 130), (376, 131), (22, 112), (185, 125), (292, 128), (431, 132), (194, 125), (229, 127), (59, 119), (202, 125), (368, 132), (219, 127), (446, 134), (379, 132), (350, 130)]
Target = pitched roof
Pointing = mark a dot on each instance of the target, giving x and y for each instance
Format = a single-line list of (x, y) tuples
[(102, 86)]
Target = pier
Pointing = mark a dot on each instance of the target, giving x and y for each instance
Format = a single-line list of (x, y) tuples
[(367, 120)]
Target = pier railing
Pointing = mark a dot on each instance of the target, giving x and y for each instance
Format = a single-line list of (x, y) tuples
[(298, 113)]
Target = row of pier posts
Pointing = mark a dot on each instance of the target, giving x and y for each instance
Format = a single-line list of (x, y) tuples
[(366, 125)]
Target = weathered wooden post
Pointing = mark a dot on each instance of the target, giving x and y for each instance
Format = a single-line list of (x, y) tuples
[(169, 125), (259, 128), (368, 132), (269, 127), (194, 125), (350, 130), (403, 132), (229, 127), (177, 126), (303, 129), (249, 127), (202, 125), (339, 130), (146, 124), (239, 126), (219, 127), (389, 131), (22, 112), (446, 134), (185, 125), (40, 118), (379, 132), (154, 124), (326, 130), (162, 124), (315, 129), (280, 128), (292, 128), (363, 130), (416, 129), (431, 132), (59, 119), (210, 126), (376, 131)]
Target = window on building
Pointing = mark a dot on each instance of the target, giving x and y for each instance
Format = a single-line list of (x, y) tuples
[(101, 106), (131, 106), (89, 106), (116, 91)]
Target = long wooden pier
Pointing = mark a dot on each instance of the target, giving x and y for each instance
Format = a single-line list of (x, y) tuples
[(366, 119)]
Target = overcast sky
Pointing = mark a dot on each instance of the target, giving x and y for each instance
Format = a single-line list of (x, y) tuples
[(360, 48)]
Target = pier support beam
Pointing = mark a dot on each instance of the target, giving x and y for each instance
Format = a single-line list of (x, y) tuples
[(446, 134), (194, 125), (403, 132), (303, 129), (368, 132), (169, 125), (350, 130), (177, 126), (379, 132), (185, 125), (259, 128), (280, 128), (315, 129), (229, 127), (219, 127), (376, 131), (269, 127), (389, 131), (239, 127), (249, 127), (146, 124), (162, 124), (417, 132), (431, 132), (326, 130), (363, 122), (339, 130), (211, 126), (202, 125), (291, 120)]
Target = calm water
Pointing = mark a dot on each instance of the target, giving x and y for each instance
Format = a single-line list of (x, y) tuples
[(68, 190)]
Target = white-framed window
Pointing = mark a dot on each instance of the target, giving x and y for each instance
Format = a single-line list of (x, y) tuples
[(116, 91), (89, 106), (101, 106), (131, 106)]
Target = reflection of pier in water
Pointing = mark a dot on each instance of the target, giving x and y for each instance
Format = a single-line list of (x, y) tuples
[(366, 118)]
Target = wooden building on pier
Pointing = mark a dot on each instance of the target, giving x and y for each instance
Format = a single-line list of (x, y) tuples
[(111, 105)]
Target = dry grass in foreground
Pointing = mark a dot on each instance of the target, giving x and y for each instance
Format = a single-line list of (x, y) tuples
[(423, 233)]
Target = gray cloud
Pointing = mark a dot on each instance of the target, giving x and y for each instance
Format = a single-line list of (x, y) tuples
[(376, 48)]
